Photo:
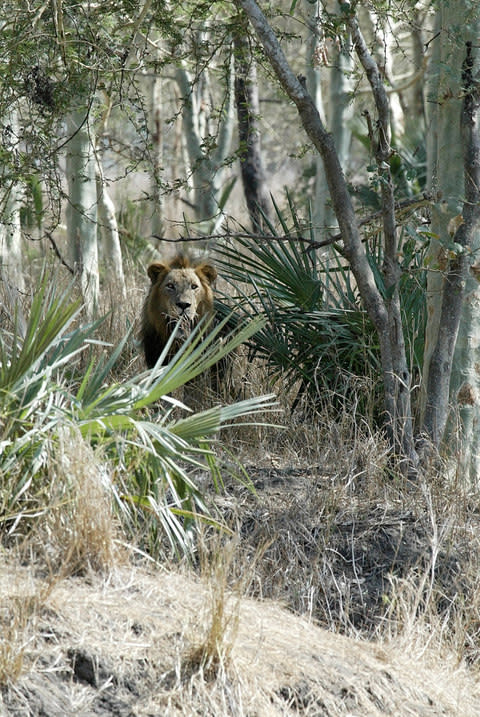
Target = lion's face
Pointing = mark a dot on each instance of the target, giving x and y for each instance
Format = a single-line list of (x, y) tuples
[(179, 292)]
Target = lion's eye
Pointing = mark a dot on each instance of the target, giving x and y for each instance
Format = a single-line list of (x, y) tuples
[(194, 286), (170, 286)]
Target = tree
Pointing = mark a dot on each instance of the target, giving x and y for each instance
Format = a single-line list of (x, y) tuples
[(383, 311), (383, 303), (55, 58), (248, 112), (11, 262), (451, 376), (207, 149), (82, 204), (333, 58)]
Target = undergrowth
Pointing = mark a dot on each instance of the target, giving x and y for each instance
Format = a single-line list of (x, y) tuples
[(98, 465)]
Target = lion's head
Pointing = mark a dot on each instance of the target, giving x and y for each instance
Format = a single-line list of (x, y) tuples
[(180, 290)]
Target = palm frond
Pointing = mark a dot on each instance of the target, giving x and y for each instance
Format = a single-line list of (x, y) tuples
[(45, 395)]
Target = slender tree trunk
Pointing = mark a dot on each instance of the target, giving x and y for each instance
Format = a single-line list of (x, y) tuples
[(464, 240), (400, 380), (248, 113), (453, 328), (206, 166), (82, 206), (340, 114), (107, 225), (383, 40), (157, 155), (321, 209), (11, 262), (415, 119), (397, 389)]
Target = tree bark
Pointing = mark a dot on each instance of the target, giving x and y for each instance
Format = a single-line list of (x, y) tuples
[(248, 112), (456, 276), (82, 207), (321, 211), (107, 224), (157, 155), (339, 110), (11, 261), (206, 166), (391, 269)]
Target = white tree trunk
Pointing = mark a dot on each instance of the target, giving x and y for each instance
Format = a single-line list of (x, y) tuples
[(11, 262), (206, 167), (340, 107), (451, 177), (107, 224), (82, 206), (465, 378)]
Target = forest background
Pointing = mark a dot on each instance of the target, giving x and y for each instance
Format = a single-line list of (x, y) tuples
[(327, 157)]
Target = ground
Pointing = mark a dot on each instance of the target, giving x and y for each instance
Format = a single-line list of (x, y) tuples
[(311, 559), (124, 646)]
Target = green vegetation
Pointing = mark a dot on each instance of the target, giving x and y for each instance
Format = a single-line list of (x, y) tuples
[(56, 388), (317, 336)]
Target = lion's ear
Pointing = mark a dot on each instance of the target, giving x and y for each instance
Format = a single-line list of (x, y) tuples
[(157, 271), (208, 271)]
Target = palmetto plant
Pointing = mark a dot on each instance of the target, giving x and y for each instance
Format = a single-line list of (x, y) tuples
[(317, 334), (49, 386)]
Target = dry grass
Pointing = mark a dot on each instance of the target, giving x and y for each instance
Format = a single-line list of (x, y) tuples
[(81, 530), (97, 649), (74, 530), (350, 544), (331, 532)]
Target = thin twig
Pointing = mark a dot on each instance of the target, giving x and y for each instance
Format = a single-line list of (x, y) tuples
[(422, 200), (57, 252)]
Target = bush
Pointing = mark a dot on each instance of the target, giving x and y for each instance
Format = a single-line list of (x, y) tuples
[(317, 336), (55, 390)]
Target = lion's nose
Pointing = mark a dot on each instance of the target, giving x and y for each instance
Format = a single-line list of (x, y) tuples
[(183, 305)]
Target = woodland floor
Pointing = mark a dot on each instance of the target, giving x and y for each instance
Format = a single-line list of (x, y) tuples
[(260, 633)]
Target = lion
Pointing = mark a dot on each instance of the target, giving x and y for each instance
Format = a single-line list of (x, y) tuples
[(181, 290)]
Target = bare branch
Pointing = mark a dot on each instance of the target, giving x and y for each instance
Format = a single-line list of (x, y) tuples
[(406, 205), (58, 253)]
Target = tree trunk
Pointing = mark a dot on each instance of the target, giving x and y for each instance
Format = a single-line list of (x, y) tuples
[(205, 164), (248, 112), (107, 224), (340, 113), (156, 134), (396, 381), (11, 262), (321, 211), (458, 273), (400, 380), (82, 206)]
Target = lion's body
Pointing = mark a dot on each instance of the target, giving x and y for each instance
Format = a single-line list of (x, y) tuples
[(180, 290)]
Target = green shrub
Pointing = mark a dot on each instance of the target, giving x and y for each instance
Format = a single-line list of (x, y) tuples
[(51, 387), (317, 337)]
